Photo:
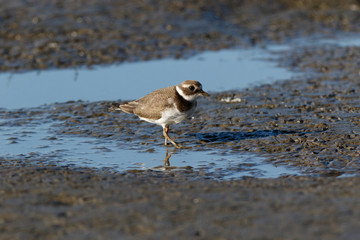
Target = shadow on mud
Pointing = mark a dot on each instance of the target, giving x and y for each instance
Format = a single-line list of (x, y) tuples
[(237, 136)]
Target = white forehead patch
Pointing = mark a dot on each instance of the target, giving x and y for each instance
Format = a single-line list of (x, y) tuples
[(188, 85)]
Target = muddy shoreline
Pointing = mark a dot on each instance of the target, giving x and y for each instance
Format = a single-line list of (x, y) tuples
[(61, 203), (314, 119), (61, 34)]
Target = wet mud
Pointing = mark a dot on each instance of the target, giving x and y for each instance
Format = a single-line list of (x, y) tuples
[(62, 203), (57, 34), (310, 123)]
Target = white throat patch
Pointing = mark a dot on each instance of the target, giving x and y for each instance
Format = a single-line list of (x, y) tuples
[(186, 97)]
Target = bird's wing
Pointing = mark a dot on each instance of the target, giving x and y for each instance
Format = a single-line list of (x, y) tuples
[(151, 105)]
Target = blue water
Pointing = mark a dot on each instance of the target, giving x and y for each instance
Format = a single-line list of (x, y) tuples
[(37, 142), (217, 71)]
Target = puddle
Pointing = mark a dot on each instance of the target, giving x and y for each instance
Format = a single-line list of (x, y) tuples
[(343, 41), (217, 71), (35, 141)]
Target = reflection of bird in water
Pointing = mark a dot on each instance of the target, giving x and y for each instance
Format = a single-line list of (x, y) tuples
[(167, 157)]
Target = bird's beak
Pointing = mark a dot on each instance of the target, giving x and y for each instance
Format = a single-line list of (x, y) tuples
[(204, 93)]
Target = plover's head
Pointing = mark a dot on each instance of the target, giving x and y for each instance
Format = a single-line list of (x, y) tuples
[(190, 90)]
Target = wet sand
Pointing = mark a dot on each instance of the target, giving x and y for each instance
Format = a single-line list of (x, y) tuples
[(312, 121)]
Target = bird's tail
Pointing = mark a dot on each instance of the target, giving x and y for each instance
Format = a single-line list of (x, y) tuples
[(114, 107), (127, 107)]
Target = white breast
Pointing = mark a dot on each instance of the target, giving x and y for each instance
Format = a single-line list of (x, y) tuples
[(171, 116)]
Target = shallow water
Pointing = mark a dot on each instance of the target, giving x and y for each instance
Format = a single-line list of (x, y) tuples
[(222, 70), (37, 142), (218, 71)]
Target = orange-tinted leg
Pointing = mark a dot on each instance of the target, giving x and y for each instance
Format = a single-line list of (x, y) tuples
[(165, 133)]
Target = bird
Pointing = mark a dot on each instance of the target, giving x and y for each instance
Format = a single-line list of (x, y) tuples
[(166, 106)]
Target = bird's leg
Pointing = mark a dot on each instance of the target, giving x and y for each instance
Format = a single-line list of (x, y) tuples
[(165, 132)]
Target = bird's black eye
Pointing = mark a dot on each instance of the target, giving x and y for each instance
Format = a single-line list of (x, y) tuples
[(192, 88)]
